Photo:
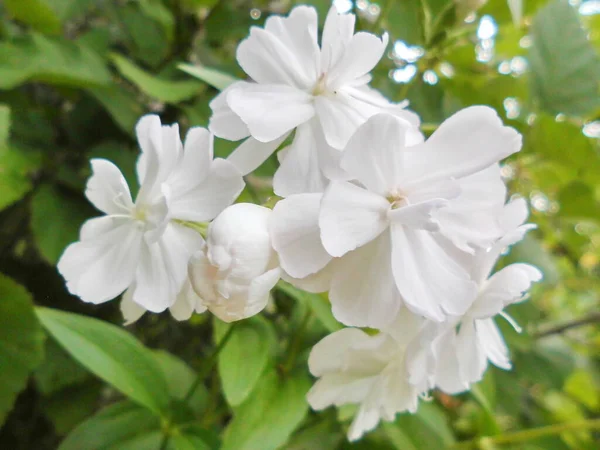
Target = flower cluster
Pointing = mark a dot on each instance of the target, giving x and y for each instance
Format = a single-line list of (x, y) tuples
[(402, 231)]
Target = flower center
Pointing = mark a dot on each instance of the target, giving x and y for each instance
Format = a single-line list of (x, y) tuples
[(140, 213), (320, 87), (397, 199)]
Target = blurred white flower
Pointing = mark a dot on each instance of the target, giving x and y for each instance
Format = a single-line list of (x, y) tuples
[(320, 91), (138, 246), (238, 267), (355, 367)]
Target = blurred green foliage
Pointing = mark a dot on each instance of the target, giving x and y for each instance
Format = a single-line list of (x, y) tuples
[(75, 75)]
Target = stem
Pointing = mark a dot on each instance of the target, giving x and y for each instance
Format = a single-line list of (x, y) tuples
[(212, 359), (528, 435), (587, 320), (296, 341)]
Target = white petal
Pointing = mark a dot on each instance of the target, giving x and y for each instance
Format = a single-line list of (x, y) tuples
[(107, 188), (367, 418), (337, 32), (361, 55), (338, 389), (373, 155), (131, 311), (298, 32), (505, 287), (271, 110), (187, 302), (472, 358), (163, 267), (328, 355), (469, 141), (471, 219), (161, 150), (223, 122), (448, 376), (338, 117), (206, 200), (247, 302), (295, 235), (350, 217), (251, 153), (430, 281), (315, 283), (299, 171), (101, 267), (363, 292), (268, 59), (418, 216), (492, 343)]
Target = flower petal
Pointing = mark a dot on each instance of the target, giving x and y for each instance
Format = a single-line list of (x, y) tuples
[(363, 292), (295, 235), (270, 110), (360, 56), (131, 311), (339, 118), (284, 53), (430, 281), (471, 356), (250, 154), (350, 217), (103, 266), (206, 200), (504, 288), (492, 343), (300, 171), (163, 267), (418, 216), (373, 155), (107, 188), (223, 122), (337, 33), (469, 141)]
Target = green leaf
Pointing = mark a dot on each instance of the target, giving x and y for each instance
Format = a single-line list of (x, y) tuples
[(270, 415), (50, 60), (161, 14), (188, 439), (21, 341), (158, 88), (112, 354), (180, 378), (565, 69), (4, 125), (427, 428), (55, 220), (213, 77), (317, 303), (15, 165), (58, 370), (244, 358), (35, 13), (112, 428), (123, 106)]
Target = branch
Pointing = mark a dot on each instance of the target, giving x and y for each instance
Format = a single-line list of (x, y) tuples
[(587, 320)]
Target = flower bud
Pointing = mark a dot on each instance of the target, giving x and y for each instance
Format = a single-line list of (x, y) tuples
[(237, 268)]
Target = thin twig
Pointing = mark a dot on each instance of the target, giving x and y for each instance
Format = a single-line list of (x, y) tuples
[(558, 329)]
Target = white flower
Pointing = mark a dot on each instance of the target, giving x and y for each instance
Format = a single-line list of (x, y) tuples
[(237, 269), (460, 349), (321, 91), (394, 232), (138, 246), (354, 367)]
